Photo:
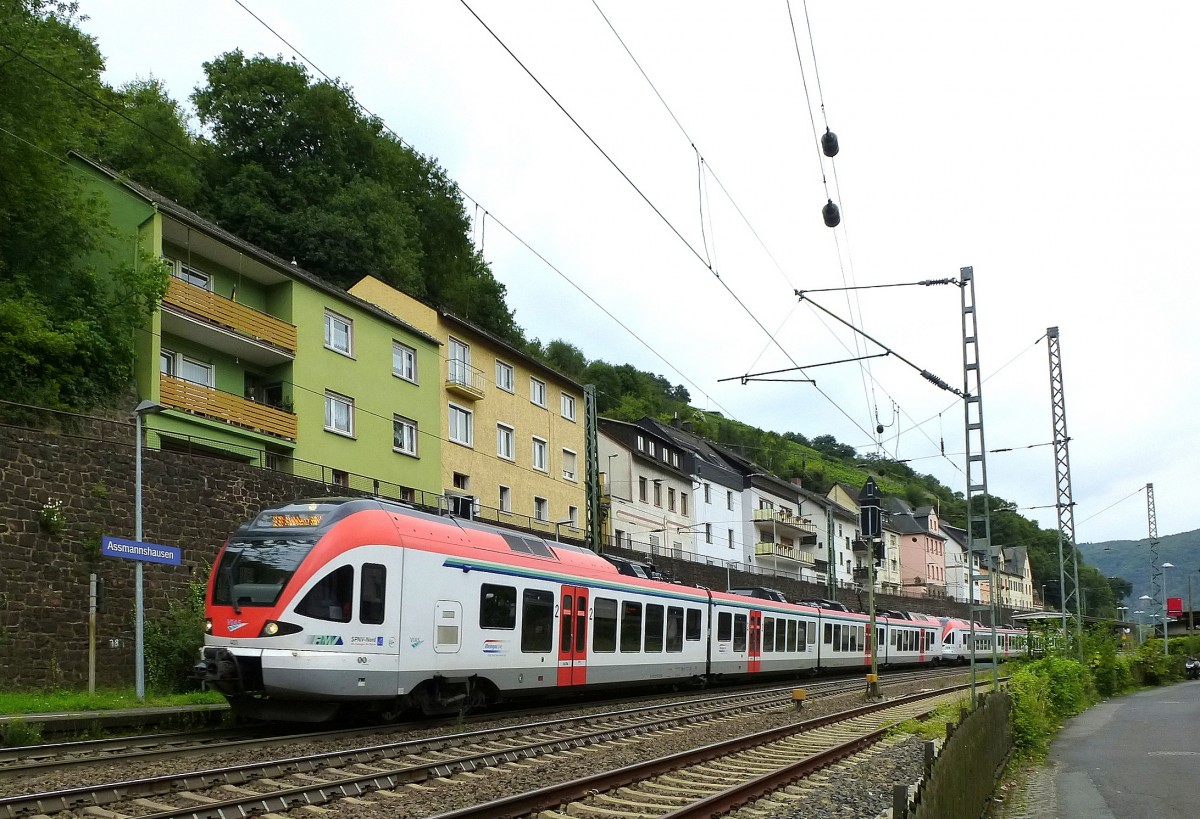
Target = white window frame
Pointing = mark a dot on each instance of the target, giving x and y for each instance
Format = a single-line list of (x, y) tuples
[(458, 362), (332, 399), (537, 391), (506, 376), (189, 274), (469, 438), (573, 516), (506, 442), (541, 446), (572, 474), (408, 361), (504, 499), (568, 407), (178, 360), (541, 509), (331, 319), (408, 444)]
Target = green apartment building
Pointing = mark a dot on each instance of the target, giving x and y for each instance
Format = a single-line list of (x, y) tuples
[(253, 359)]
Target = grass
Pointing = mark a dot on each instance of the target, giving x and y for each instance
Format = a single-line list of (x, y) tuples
[(35, 702), (934, 725)]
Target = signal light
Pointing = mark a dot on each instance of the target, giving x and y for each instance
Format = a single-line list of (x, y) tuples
[(208, 625), (273, 628)]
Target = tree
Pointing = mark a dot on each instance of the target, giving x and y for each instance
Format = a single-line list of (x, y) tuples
[(68, 311)]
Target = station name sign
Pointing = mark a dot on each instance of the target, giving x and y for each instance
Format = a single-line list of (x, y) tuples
[(136, 550)]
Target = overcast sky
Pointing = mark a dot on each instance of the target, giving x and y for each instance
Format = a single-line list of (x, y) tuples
[(1052, 147)]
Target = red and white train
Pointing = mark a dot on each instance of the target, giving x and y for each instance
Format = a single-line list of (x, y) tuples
[(317, 605)]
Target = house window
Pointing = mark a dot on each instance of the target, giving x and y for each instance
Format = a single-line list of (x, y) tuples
[(641, 443), (458, 363), (166, 362), (339, 413), (461, 431), (569, 460), (675, 459), (708, 533), (708, 493), (505, 499), (730, 538), (404, 435), (462, 481), (650, 448), (729, 499), (537, 392), (195, 371), (190, 275), (539, 454), (504, 442), (573, 515), (658, 493), (504, 376), (683, 504), (339, 333), (568, 407), (670, 498), (541, 509), (404, 361), (642, 488)]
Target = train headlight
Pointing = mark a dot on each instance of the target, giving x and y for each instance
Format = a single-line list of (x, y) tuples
[(208, 625), (273, 628)]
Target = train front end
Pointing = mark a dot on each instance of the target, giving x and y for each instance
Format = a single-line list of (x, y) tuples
[(260, 647)]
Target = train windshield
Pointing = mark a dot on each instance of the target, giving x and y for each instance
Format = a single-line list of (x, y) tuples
[(254, 571)]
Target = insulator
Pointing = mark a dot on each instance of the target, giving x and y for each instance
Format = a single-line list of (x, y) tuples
[(831, 214), (829, 143), (879, 428)]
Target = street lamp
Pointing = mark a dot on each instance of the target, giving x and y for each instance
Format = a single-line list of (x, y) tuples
[(1166, 643), (139, 676), (1139, 614)]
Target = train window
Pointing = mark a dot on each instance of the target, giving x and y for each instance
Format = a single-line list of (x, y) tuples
[(791, 635), (332, 597), (724, 627), (812, 633), (631, 627), (829, 634), (674, 628), (739, 632), (604, 624), (854, 637), (654, 627), (781, 628), (581, 626), (256, 571), (537, 621), (692, 631), (768, 627), (566, 632), (371, 595), (497, 606)]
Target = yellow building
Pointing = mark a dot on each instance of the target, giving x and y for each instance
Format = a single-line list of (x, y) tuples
[(513, 428)]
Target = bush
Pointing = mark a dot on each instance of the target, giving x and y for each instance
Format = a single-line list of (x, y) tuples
[(1045, 693), (172, 642)]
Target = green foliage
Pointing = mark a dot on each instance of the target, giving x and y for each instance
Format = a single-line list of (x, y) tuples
[(1156, 668), (173, 641), (1044, 693), (51, 518), (18, 733)]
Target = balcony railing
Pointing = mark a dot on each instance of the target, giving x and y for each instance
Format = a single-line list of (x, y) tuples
[(788, 524), (230, 315), (224, 406), (786, 552), (464, 379)]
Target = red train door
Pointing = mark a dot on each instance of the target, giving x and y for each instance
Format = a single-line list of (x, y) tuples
[(572, 636), (754, 653)]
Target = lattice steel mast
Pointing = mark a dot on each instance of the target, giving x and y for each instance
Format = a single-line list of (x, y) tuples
[(1156, 588), (979, 523), (1064, 503)]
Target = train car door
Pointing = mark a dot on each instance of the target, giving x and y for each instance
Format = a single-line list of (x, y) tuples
[(572, 636), (754, 649)]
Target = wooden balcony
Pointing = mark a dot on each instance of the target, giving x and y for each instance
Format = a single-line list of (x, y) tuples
[(463, 379), (230, 315), (223, 406)]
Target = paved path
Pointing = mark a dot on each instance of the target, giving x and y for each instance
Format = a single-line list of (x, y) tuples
[(1134, 757)]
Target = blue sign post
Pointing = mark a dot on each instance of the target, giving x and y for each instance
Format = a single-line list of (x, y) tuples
[(136, 550)]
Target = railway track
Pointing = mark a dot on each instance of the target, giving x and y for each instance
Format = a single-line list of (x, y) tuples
[(281, 784)]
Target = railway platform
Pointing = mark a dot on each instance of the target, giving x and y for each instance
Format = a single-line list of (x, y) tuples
[(132, 719)]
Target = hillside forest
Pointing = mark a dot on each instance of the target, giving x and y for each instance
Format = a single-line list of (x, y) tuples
[(290, 162)]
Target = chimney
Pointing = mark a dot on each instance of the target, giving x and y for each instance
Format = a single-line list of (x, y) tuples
[(675, 421), (686, 426), (796, 483)]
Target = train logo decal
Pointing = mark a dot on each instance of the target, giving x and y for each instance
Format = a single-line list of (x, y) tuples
[(366, 641), (326, 640), (496, 647), (234, 625), (415, 642)]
